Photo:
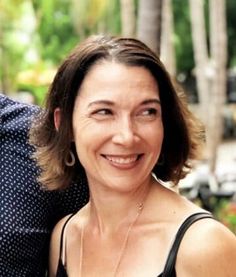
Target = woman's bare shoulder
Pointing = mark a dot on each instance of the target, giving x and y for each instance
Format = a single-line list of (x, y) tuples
[(55, 244), (58, 227), (208, 249)]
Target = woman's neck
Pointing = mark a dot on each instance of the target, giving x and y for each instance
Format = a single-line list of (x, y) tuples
[(109, 211)]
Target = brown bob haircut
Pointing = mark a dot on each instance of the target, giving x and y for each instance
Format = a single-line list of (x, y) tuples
[(182, 132)]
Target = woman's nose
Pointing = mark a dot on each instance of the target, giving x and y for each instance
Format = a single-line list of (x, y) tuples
[(124, 133)]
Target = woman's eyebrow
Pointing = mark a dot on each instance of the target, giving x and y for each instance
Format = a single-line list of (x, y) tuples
[(110, 103), (150, 101), (99, 102)]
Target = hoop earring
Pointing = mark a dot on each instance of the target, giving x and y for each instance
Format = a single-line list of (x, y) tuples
[(71, 160)]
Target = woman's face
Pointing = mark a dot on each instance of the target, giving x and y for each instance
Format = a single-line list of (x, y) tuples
[(117, 125)]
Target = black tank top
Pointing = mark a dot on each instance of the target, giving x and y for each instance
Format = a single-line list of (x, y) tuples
[(169, 269)]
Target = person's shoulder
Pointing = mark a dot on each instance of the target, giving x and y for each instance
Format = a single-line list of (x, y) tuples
[(7, 102), (67, 222), (16, 116), (55, 243), (57, 230), (208, 249), (14, 111)]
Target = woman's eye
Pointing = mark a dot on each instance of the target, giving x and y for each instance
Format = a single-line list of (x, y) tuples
[(149, 112), (102, 112)]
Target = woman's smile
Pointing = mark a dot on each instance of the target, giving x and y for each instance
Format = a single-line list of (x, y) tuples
[(123, 161)]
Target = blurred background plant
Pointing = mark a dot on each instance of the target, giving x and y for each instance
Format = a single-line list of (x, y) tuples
[(35, 35), (226, 213)]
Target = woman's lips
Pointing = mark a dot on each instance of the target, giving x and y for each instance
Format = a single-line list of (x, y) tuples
[(125, 161)]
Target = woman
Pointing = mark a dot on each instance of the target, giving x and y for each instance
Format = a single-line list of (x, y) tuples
[(114, 116)]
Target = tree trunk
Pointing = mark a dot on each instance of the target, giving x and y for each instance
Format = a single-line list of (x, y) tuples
[(210, 72), (218, 47), (128, 19), (167, 52), (202, 68), (149, 23)]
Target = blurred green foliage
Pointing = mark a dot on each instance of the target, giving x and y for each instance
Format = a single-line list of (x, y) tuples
[(226, 213), (183, 42), (55, 29), (231, 31)]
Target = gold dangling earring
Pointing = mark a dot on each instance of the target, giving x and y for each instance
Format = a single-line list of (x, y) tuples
[(71, 161)]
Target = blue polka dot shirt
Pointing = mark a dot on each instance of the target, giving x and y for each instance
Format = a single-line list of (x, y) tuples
[(28, 213)]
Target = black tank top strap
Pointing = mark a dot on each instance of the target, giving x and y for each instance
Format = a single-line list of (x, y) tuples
[(62, 235), (169, 269)]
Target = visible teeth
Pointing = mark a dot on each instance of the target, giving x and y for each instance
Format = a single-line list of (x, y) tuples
[(122, 160)]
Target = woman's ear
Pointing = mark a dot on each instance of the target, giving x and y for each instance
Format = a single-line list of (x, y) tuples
[(57, 118)]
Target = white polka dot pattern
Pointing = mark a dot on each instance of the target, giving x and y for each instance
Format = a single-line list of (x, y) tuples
[(28, 213)]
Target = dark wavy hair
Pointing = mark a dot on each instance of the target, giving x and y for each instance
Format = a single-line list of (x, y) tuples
[(183, 133)]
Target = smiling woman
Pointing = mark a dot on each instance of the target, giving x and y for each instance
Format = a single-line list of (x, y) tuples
[(114, 116)]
